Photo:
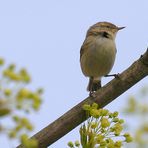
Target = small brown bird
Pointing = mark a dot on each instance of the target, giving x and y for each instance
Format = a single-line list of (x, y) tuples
[(98, 52)]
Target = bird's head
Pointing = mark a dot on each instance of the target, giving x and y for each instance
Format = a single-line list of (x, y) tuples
[(104, 29)]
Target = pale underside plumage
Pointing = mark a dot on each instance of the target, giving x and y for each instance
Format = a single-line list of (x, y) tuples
[(97, 56)]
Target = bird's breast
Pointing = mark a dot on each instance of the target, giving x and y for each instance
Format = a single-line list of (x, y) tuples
[(99, 58)]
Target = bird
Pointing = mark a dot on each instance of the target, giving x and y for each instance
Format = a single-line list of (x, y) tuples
[(98, 53)]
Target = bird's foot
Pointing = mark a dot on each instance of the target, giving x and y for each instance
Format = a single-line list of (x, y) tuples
[(113, 75), (92, 94)]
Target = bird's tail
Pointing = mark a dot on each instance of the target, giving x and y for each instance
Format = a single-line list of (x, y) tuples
[(93, 85)]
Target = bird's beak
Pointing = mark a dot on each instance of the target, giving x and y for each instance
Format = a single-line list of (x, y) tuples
[(119, 28)]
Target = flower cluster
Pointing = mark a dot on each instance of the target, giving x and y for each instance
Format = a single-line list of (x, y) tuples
[(137, 108), (20, 76), (22, 123), (28, 143), (103, 129), (16, 99)]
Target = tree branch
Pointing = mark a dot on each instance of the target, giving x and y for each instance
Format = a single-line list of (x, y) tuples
[(54, 131)]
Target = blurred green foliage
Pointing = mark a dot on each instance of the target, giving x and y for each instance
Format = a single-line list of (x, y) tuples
[(16, 101), (136, 109)]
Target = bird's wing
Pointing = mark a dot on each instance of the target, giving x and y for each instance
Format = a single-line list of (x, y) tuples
[(86, 45)]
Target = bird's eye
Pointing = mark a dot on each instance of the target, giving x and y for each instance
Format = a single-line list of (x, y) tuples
[(105, 34)]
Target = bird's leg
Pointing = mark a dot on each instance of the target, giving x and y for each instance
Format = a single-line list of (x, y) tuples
[(91, 94), (90, 86), (113, 75)]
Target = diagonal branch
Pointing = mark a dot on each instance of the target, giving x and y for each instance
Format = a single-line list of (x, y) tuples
[(54, 131)]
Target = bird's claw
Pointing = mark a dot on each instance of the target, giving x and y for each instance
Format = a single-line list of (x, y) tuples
[(113, 75), (92, 94)]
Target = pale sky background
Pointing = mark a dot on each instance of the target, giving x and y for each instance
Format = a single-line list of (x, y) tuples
[(45, 36)]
